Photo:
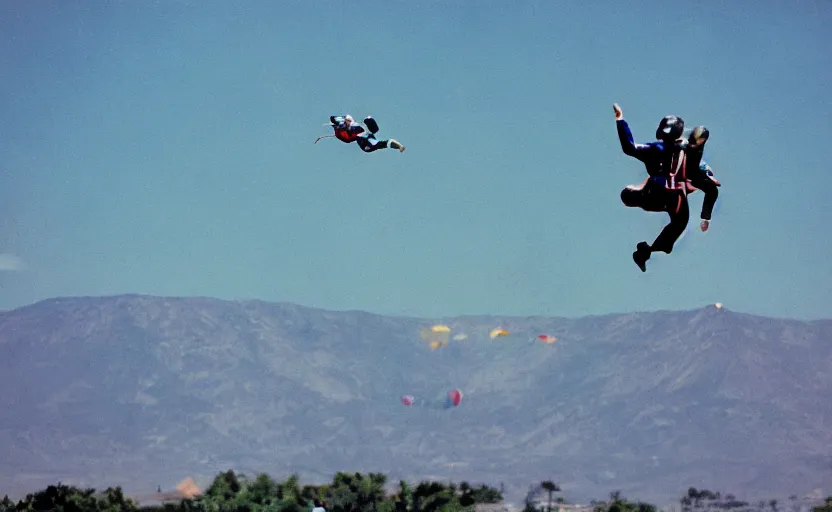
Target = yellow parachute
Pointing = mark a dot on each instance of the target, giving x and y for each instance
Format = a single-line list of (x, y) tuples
[(437, 335), (498, 332)]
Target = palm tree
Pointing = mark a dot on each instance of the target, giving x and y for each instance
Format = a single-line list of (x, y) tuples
[(551, 488)]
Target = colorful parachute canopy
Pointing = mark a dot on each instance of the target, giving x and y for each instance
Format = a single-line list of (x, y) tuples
[(436, 336), (454, 397), (545, 338), (498, 332), (407, 400)]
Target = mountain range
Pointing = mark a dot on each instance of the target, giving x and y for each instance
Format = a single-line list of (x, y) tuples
[(141, 391)]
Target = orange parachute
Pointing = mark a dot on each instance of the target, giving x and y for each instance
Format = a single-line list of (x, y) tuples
[(496, 333)]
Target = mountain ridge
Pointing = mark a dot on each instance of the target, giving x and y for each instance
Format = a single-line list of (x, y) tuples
[(197, 385), (466, 316)]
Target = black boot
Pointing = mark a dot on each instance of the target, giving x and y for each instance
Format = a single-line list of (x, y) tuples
[(641, 255)]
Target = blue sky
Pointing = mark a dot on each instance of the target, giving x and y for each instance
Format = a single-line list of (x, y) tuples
[(167, 148)]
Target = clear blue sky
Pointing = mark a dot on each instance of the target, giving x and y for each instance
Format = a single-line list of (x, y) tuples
[(166, 148)]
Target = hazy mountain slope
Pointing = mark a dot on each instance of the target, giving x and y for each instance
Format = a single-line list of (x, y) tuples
[(141, 391)]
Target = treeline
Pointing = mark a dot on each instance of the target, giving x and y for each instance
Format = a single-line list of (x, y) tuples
[(354, 492), (348, 492)]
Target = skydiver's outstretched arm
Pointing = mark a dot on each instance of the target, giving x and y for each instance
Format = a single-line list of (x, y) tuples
[(625, 137), (643, 152)]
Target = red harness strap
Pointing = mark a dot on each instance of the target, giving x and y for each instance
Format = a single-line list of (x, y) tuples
[(345, 135), (677, 178)]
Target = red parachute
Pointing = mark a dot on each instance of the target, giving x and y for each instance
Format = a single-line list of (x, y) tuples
[(454, 398), (407, 400), (545, 338)]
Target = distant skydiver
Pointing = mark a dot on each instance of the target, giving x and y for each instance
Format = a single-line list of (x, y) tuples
[(347, 130), (665, 190)]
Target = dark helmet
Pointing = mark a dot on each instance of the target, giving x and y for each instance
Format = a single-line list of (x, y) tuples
[(670, 128), (699, 136)]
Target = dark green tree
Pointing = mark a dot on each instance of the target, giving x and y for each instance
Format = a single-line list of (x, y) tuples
[(620, 504), (224, 487), (826, 507), (431, 497), (263, 490), (63, 498)]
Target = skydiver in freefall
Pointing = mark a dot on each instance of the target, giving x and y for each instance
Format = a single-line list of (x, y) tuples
[(347, 130), (666, 188)]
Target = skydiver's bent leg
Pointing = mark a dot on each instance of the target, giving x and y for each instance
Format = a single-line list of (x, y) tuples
[(646, 196), (371, 124), (679, 216), (370, 144), (674, 229), (632, 197)]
